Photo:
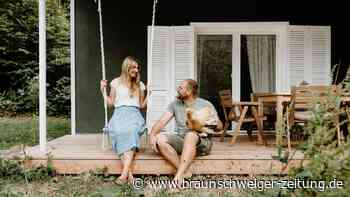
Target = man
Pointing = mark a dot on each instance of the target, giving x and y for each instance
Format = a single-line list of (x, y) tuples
[(182, 142)]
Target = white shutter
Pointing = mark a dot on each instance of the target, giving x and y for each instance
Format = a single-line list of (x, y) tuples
[(296, 54), (171, 61), (159, 72), (321, 54), (309, 54), (183, 55)]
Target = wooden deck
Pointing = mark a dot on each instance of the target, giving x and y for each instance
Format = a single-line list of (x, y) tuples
[(81, 153)]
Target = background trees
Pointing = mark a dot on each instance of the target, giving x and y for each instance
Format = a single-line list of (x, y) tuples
[(19, 66)]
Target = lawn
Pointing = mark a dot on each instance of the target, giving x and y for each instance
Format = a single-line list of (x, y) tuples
[(25, 130), (91, 185)]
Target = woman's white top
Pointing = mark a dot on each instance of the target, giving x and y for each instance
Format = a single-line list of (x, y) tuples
[(123, 96)]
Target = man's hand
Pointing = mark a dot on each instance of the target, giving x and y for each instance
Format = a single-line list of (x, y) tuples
[(153, 141), (219, 127), (160, 124)]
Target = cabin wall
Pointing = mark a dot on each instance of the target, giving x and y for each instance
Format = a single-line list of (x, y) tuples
[(123, 36)]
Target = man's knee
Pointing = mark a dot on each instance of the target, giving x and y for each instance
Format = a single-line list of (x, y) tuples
[(192, 138), (161, 138)]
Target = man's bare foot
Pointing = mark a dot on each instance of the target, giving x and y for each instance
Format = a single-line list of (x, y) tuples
[(130, 177), (178, 179), (187, 174), (177, 187)]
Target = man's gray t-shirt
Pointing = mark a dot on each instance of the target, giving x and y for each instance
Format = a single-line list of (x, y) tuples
[(178, 108)]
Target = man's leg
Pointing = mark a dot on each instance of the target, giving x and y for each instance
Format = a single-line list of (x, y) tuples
[(167, 151), (188, 154)]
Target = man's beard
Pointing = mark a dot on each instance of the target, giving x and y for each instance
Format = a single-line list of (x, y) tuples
[(180, 97)]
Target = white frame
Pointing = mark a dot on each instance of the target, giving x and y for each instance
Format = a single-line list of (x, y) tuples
[(42, 76), (72, 67), (42, 73), (279, 29)]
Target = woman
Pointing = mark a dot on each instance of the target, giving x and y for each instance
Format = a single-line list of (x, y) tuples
[(127, 124)]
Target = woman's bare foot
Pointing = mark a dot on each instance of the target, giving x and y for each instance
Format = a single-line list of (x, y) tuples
[(122, 179)]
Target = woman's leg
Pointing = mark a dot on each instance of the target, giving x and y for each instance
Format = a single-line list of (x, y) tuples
[(127, 159), (124, 175)]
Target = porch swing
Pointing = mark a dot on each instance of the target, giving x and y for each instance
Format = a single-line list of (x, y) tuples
[(105, 133)]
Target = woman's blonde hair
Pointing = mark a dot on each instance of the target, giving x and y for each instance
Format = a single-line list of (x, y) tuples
[(132, 83)]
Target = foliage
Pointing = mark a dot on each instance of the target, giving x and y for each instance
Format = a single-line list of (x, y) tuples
[(326, 159), (14, 170), (346, 81), (59, 97), (85, 184), (19, 54), (24, 130)]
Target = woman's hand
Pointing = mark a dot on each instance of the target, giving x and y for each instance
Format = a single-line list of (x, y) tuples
[(148, 91), (103, 84), (144, 99)]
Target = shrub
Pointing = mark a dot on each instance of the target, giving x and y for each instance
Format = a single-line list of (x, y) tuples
[(14, 170), (328, 160), (59, 98)]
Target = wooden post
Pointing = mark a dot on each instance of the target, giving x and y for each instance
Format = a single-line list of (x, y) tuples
[(279, 121), (42, 75)]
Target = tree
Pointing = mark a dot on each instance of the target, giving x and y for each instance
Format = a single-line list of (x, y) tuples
[(19, 52)]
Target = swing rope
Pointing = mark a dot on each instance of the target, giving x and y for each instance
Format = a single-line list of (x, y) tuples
[(99, 10), (151, 54), (105, 129)]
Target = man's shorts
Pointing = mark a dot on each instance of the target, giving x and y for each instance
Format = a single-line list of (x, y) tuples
[(177, 142)]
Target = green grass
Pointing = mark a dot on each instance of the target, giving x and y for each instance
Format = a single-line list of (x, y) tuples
[(25, 130), (91, 185), (81, 185)]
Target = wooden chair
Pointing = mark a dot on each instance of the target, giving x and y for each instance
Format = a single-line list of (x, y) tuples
[(237, 111), (303, 99)]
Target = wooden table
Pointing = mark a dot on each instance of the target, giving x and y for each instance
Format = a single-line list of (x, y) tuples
[(277, 99), (273, 98)]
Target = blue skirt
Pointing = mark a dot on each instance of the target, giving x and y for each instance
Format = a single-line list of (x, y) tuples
[(125, 128)]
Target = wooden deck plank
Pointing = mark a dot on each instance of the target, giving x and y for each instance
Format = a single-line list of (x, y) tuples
[(80, 153)]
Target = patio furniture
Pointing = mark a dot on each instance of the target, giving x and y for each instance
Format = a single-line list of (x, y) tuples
[(239, 112), (272, 99), (303, 99)]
